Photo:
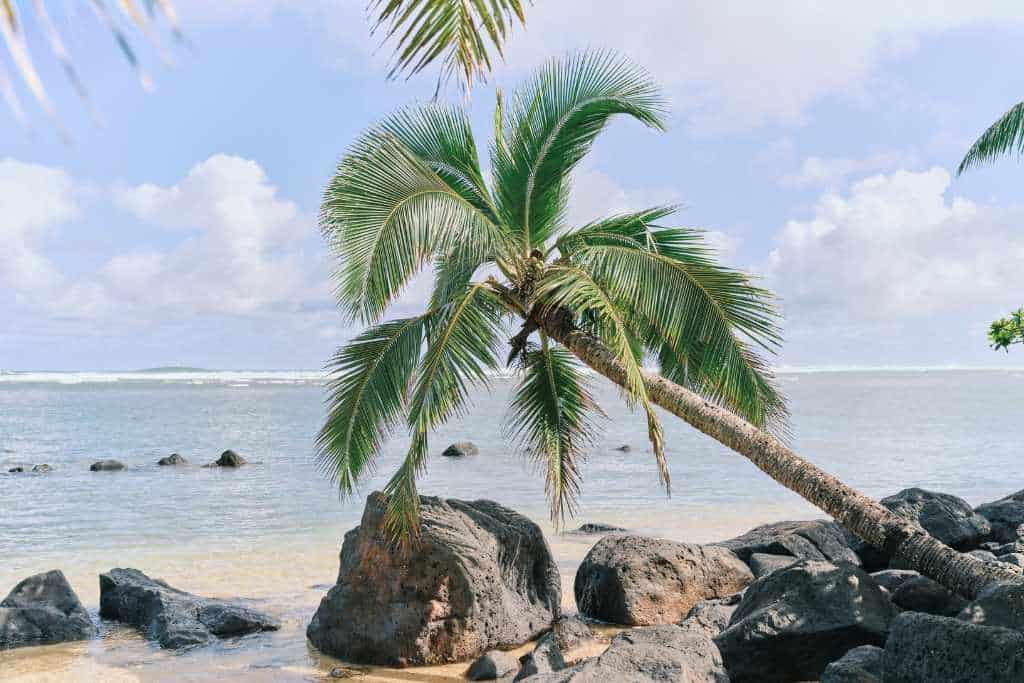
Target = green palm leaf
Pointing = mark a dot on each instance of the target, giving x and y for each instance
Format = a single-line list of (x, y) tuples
[(460, 32), (552, 124), (551, 415), (574, 289), (462, 341), (369, 377), (1003, 137), (384, 215)]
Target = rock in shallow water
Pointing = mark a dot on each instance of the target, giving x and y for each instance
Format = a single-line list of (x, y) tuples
[(792, 623), (106, 466), (594, 528), (172, 617), (923, 647), (228, 459), (43, 609), (461, 449), (172, 460), (481, 577), (638, 581)]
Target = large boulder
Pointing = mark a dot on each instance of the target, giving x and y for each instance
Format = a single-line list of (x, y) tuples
[(480, 577), (946, 517), (817, 539), (174, 618), (639, 581), (652, 654), (860, 665), (106, 466), (924, 647), (921, 594), (793, 622), (43, 609), (1005, 516)]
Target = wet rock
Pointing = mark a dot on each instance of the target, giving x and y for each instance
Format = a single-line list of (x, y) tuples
[(571, 632), (763, 564), (172, 460), (651, 654), (229, 459), (792, 623), (461, 449), (1005, 516), (492, 665), (546, 658), (593, 528), (43, 609), (860, 665), (924, 647), (482, 577), (42, 468), (817, 539), (1001, 604), (711, 617), (636, 580), (891, 579), (921, 594), (172, 617), (106, 466)]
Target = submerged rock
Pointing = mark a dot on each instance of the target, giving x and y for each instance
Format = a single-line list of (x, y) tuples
[(172, 617), (106, 466), (638, 581), (624, 448), (16, 470), (1005, 516), (860, 665), (792, 623), (817, 539), (924, 647), (481, 577), (43, 609), (42, 468), (228, 459), (593, 528), (461, 449), (172, 460), (651, 654)]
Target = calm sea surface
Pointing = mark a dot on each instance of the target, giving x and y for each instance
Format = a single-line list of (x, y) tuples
[(270, 531)]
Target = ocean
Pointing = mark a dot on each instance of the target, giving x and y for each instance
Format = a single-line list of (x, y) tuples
[(271, 531)]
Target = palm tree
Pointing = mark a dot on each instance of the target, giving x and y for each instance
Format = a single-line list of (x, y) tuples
[(1003, 137), (410, 193), (461, 34)]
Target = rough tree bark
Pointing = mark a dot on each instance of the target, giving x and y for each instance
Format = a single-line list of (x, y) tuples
[(871, 521)]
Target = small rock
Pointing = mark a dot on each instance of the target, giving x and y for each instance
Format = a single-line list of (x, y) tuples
[(763, 564), (924, 647), (229, 459), (346, 672), (16, 470), (106, 466), (174, 459), (172, 617), (624, 448), (891, 579), (42, 468), (43, 609), (546, 658), (461, 449), (492, 665), (921, 594), (711, 617), (636, 580), (571, 632), (860, 665), (593, 528), (792, 623), (817, 539)]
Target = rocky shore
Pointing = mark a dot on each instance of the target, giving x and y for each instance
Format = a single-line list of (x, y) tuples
[(790, 601)]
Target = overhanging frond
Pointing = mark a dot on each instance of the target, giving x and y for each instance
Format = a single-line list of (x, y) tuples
[(1005, 136)]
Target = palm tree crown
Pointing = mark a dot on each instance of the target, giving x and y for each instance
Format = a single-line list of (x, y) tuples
[(1004, 136), (410, 194)]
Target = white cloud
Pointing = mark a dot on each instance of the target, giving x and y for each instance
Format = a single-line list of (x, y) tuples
[(896, 248), (832, 173)]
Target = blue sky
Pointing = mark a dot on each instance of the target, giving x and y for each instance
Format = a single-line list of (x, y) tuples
[(816, 143)]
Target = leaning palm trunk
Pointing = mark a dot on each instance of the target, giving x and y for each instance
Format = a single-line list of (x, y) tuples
[(910, 545), (611, 293)]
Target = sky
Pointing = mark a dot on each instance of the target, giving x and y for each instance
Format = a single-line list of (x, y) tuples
[(815, 142)]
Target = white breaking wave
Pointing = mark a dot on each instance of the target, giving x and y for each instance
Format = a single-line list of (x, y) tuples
[(198, 377)]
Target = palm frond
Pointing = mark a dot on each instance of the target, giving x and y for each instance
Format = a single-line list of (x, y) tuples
[(1005, 136), (460, 32), (368, 380), (552, 417), (552, 124), (691, 312), (462, 341), (386, 213), (573, 288)]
